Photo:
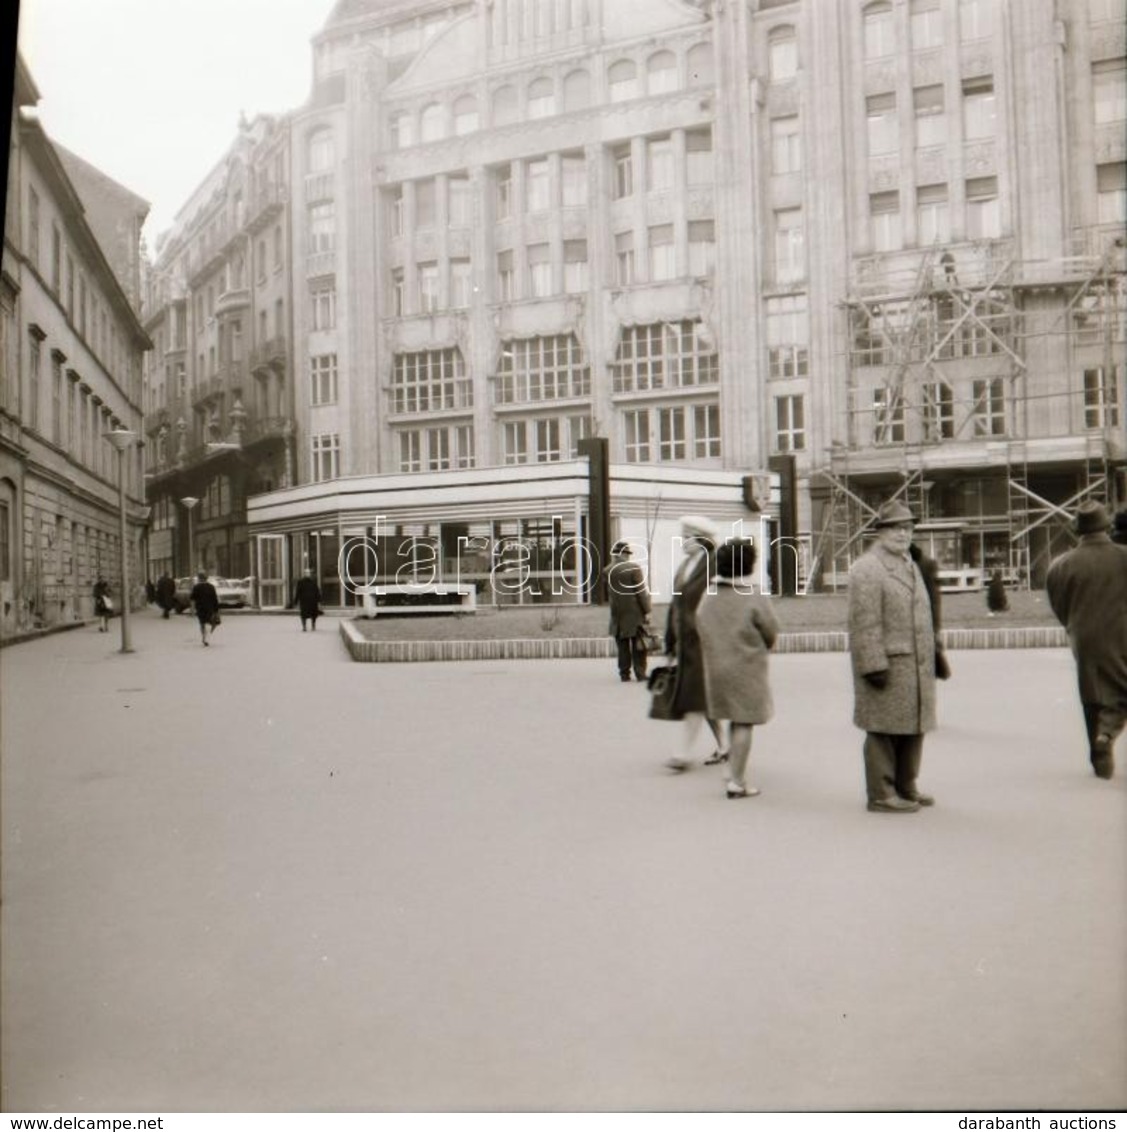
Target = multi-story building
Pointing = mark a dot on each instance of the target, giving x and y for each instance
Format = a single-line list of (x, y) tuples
[(219, 390), (71, 348), (882, 238)]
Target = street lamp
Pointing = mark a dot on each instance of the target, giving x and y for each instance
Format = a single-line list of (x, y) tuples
[(122, 439), (188, 502)]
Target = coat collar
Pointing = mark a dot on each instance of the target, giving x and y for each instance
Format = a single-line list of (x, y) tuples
[(899, 566)]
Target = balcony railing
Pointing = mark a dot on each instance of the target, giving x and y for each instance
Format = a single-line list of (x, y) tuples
[(266, 203), (234, 299), (270, 354), (258, 429)]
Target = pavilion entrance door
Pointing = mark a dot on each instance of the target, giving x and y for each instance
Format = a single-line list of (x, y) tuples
[(273, 585)]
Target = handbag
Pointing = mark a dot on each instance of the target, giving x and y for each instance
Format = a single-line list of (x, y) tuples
[(654, 642), (216, 620), (662, 684), (107, 604)]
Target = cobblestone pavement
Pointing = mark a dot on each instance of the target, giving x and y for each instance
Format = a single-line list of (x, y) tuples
[(260, 877)]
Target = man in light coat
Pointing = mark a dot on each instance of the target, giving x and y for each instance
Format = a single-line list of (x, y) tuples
[(629, 611), (1087, 590), (892, 648)]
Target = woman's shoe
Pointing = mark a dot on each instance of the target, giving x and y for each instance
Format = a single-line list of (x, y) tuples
[(716, 758), (734, 790)]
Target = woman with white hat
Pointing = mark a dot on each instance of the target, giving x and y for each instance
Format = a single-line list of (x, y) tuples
[(682, 640)]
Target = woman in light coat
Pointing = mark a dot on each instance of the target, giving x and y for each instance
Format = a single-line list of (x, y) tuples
[(737, 630)]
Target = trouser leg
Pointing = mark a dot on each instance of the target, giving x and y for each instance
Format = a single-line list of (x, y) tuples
[(638, 651), (909, 754), (1111, 721), (623, 644), (880, 766), (1091, 722)]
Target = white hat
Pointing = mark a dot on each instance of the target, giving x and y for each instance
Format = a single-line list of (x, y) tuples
[(700, 527)]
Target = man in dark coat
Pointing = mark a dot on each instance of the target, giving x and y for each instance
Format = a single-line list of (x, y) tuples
[(166, 595), (206, 602), (892, 644), (1087, 590), (307, 598), (629, 611)]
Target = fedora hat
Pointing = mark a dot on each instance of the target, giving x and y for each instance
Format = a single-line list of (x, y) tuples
[(621, 548), (1090, 518), (892, 514)]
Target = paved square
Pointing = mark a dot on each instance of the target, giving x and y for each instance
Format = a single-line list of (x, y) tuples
[(261, 877)]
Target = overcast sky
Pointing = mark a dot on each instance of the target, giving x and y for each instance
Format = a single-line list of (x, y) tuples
[(149, 91)]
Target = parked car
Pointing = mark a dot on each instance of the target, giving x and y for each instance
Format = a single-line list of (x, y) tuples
[(232, 592)]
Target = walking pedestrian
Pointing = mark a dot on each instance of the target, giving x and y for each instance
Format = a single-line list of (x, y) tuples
[(1087, 589), (166, 595), (103, 603), (892, 650), (629, 611), (682, 640), (996, 599), (307, 598), (206, 602), (737, 630)]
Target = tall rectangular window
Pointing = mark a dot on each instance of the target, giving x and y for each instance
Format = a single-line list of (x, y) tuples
[(322, 227), (323, 379), (932, 224), (438, 449), (699, 166), (1101, 397), (984, 221), (624, 258), (879, 33), (398, 293), (504, 193), (461, 283), (459, 202), (702, 248), (56, 260), (884, 213), (927, 24), (786, 148), (56, 397), (426, 210), (975, 19), (33, 377), (659, 164), (782, 55), (790, 424), (790, 245), (537, 196), (574, 173), (575, 266), (672, 443), (1111, 193), (883, 124), (978, 109), (5, 543), (325, 457), (411, 451), (938, 412), (33, 227), (506, 283), (428, 287), (888, 416), (548, 445), (706, 432), (623, 172), (1109, 88), (931, 120), (514, 441), (663, 259), (636, 432), (70, 289), (323, 307), (788, 336), (397, 214), (539, 271), (989, 413)]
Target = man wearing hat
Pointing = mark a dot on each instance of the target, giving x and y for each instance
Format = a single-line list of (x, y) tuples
[(892, 648), (1087, 590), (629, 611)]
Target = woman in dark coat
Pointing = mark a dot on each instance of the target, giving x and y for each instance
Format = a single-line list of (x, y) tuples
[(682, 640), (206, 602), (307, 598), (103, 605)]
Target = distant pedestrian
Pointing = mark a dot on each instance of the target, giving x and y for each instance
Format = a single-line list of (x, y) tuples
[(1119, 529), (307, 598), (996, 599), (629, 611), (892, 643), (103, 603), (206, 602), (737, 630), (166, 595), (682, 640), (150, 592), (1087, 589)]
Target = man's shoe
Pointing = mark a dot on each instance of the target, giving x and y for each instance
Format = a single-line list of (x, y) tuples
[(919, 799), (893, 805), (624, 677), (1103, 762)]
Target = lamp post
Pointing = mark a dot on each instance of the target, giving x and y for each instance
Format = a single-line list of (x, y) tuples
[(122, 439), (188, 502)]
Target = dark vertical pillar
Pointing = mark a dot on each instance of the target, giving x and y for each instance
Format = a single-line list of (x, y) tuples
[(784, 549), (596, 450)]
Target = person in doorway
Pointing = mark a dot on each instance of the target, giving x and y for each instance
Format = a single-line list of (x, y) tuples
[(737, 630), (892, 644), (1087, 589), (103, 603), (996, 599), (206, 603), (307, 598), (629, 611), (166, 595), (682, 640)]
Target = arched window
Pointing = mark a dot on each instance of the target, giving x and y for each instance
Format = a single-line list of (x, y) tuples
[(577, 90), (504, 106), (661, 73), (465, 115), (541, 99), (782, 54), (622, 80), (432, 123), (700, 65), (402, 130), (879, 38), (321, 151)]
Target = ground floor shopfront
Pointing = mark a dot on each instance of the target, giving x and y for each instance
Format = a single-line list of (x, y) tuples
[(522, 535)]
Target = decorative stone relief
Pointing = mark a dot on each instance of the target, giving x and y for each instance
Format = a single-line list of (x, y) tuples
[(978, 157), (976, 59), (880, 77), (927, 67), (458, 242), (931, 165), (574, 223), (884, 173), (536, 228), (426, 245)]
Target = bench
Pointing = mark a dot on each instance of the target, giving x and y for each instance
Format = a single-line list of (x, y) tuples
[(424, 598)]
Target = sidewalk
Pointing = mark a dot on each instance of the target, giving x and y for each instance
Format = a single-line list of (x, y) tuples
[(262, 877)]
